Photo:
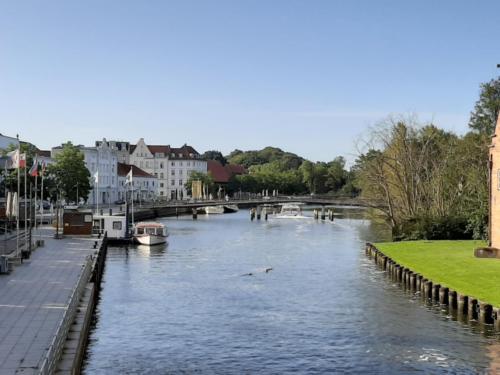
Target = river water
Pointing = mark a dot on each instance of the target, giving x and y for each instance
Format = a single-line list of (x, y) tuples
[(189, 307)]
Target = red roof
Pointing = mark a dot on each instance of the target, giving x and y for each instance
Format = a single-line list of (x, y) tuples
[(185, 151), (123, 170), (222, 174)]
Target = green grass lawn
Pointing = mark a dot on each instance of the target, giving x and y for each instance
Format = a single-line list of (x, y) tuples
[(451, 264)]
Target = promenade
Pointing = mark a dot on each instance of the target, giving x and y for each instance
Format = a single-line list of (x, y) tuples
[(34, 298)]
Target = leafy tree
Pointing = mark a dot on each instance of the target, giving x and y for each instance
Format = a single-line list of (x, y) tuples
[(69, 173), (215, 155), (485, 114)]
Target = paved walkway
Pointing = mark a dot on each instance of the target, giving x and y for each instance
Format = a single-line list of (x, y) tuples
[(33, 299)]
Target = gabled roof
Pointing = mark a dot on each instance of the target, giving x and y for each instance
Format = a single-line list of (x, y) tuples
[(123, 169), (222, 174), (183, 152)]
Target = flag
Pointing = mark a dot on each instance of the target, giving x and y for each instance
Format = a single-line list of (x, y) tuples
[(15, 205), (22, 160), (34, 169), (44, 165), (13, 159), (96, 177), (128, 179)]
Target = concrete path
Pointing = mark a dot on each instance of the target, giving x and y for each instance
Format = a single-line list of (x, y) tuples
[(33, 299)]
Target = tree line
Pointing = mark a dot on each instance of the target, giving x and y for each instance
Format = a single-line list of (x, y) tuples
[(433, 183)]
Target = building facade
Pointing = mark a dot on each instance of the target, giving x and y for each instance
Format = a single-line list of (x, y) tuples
[(171, 166), (144, 185), (101, 162), (121, 148), (494, 164)]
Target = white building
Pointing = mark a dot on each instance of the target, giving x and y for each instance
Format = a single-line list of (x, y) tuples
[(5, 142), (144, 185), (171, 166), (121, 148), (100, 160)]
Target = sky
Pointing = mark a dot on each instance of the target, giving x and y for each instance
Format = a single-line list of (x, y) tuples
[(310, 77)]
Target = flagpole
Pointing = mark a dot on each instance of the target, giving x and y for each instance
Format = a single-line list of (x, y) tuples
[(18, 195), (36, 192), (25, 201), (41, 199)]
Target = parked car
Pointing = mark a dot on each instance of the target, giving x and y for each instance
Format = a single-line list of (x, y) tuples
[(120, 201)]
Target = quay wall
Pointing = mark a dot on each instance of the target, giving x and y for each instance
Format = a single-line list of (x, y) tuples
[(466, 307), (75, 341)]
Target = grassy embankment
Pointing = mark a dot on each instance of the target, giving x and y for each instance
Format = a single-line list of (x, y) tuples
[(451, 264)]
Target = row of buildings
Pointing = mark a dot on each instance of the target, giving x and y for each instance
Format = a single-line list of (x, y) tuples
[(160, 172)]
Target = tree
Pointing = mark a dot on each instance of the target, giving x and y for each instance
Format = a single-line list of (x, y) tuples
[(70, 174), (215, 155), (336, 174), (485, 114)]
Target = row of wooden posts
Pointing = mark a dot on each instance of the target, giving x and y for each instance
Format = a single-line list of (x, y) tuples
[(465, 306)]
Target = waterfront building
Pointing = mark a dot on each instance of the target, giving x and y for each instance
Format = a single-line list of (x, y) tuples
[(222, 174), (100, 161), (121, 148), (144, 185), (6, 141), (494, 164), (171, 166)]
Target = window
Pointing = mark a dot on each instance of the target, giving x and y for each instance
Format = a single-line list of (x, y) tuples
[(188, 163), (117, 225), (172, 183), (180, 163), (180, 182), (161, 192), (173, 172), (172, 164), (161, 184), (156, 175), (180, 172), (161, 176), (161, 165)]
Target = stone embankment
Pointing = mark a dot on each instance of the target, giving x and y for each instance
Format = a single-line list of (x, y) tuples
[(466, 307)]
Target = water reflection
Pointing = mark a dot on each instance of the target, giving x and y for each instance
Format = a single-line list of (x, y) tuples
[(323, 307)]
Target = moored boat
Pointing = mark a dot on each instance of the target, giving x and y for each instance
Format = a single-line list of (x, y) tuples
[(211, 210), (230, 208), (150, 233), (291, 211)]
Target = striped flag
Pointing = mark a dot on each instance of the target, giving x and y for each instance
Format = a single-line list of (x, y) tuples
[(34, 168)]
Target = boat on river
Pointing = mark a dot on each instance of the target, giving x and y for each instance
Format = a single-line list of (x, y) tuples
[(150, 233), (213, 210), (290, 211), (230, 208)]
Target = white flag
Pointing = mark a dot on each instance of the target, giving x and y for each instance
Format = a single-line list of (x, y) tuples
[(129, 177), (8, 209), (96, 177), (13, 159), (15, 205)]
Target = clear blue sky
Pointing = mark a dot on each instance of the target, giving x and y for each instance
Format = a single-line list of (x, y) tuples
[(307, 76)]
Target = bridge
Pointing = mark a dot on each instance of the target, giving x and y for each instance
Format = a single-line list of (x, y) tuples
[(253, 202)]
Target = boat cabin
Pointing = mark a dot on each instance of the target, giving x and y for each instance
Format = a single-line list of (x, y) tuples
[(114, 226)]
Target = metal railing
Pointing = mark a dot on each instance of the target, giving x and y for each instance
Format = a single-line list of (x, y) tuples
[(53, 355)]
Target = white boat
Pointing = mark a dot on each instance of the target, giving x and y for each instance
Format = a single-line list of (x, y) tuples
[(290, 211), (230, 208), (150, 233), (210, 210)]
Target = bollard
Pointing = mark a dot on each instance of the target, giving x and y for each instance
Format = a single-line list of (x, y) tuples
[(195, 214), (462, 304), (452, 299), (428, 289), (472, 309), (422, 286), (265, 216), (418, 279), (485, 313), (323, 213), (496, 318), (110, 212), (413, 281), (443, 295), (316, 214), (435, 292), (399, 274), (176, 212), (259, 212)]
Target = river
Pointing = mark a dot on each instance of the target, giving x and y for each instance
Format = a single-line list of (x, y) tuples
[(190, 307)]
